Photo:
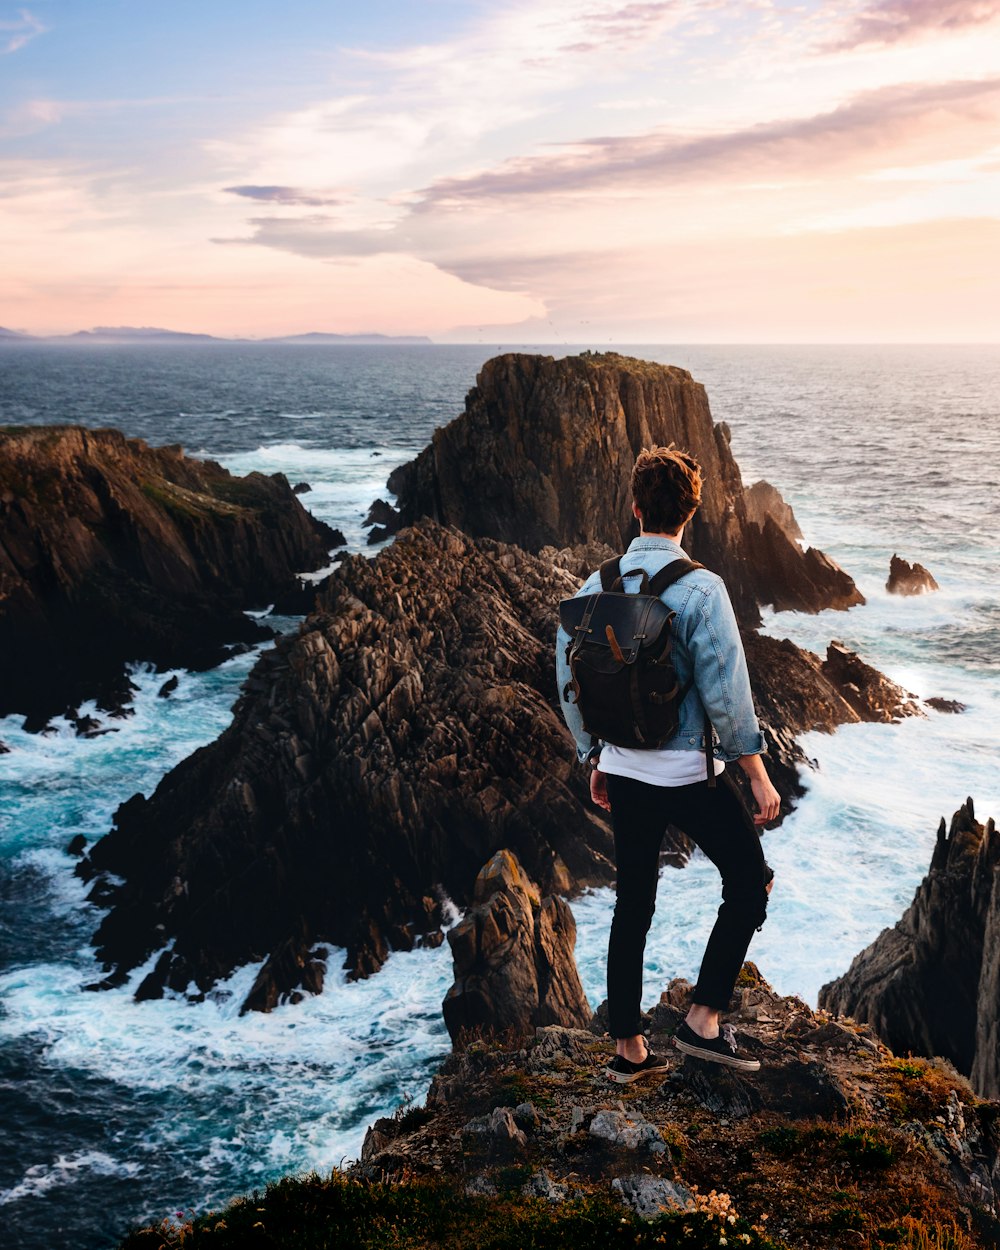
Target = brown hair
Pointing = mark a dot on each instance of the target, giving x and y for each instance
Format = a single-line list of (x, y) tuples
[(666, 486)]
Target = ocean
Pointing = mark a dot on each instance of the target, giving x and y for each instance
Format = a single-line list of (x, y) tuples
[(113, 1112)]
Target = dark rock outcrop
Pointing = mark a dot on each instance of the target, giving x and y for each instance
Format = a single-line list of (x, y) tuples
[(375, 759), (111, 550), (513, 952), (796, 691), (543, 454), (931, 984), (764, 500), (909, 579), (832, 1133), (378, 757)]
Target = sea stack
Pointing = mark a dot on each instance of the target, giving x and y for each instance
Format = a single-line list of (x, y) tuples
[(543, 454), (931, 984), (112, 550), (909, 579)]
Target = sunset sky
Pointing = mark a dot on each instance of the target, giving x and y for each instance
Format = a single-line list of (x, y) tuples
[(539, 171)]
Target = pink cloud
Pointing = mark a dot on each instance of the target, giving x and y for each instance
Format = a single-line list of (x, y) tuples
[(889, 123), (896, 21)]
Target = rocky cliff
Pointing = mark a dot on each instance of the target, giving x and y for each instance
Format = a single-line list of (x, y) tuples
[(543, 455), (111, 550), (375, 759), (834, 1142), (379, 757), (931, 984), (909, 579)]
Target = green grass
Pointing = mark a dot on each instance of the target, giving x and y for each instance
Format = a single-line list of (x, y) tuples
[(346, 1213)]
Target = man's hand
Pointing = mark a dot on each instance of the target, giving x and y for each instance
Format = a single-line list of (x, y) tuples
[(767, 798), (599, 788)]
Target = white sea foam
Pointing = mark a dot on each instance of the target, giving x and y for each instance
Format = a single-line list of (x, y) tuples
[(40, 1178), (344, 480)]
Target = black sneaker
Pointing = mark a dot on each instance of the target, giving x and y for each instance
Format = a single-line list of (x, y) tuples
[(721, 1049), (623, 1070)]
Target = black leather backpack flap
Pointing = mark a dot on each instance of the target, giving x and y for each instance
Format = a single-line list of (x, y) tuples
[(637, 620)]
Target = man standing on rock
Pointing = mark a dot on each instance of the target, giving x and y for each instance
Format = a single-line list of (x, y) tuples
[(647, 789)]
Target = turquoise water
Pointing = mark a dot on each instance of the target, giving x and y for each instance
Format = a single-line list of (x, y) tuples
[(114, 1111)]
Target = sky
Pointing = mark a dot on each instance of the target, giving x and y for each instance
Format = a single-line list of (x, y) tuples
[(585, 171)]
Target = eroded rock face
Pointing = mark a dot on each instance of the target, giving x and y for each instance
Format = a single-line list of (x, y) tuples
[(112, 550), (382, 754), (909, 579), (931, 984), (513, 952), (543, 454)]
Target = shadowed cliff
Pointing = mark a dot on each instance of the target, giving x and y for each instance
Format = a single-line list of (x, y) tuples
[(543, 456), (931, 983), (111, 550)]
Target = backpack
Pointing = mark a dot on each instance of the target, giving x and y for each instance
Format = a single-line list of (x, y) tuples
[(621, 662)]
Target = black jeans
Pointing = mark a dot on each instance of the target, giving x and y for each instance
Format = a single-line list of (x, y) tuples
[(719, 823)]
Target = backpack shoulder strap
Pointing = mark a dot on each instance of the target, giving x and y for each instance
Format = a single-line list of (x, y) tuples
[(610, 572), (670, 574)]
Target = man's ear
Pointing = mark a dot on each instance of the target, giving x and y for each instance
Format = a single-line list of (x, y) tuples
[(635, 510)]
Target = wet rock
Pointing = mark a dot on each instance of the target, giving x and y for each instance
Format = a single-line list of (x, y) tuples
[(931, 984), (513, 953), (909, 579), (301, 488), (872, 695), (168, 687), (542, 457), (945, 705), (113, 550), (77, 845)]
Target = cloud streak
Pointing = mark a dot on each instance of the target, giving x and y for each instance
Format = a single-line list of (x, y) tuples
[(286, 195), (890, 22), (858, 134), (15, 34)]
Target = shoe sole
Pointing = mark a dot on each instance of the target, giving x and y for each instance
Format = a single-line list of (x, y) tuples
[(625, 1078), (711, 1056)]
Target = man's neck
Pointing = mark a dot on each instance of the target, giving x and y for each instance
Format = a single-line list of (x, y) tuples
[(652, 534)]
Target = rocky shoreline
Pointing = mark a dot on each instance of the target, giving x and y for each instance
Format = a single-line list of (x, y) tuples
[(410, 729), (111, 550)]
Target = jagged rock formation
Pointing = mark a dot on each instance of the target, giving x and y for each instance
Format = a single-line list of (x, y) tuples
[(513, 952), (543, 454), (764, 500), (376, 758), (909, 579), (833, 1134), (931, 984), (382, 754), (112, 550)]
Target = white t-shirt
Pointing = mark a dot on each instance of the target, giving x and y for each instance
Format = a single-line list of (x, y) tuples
[(658, 767)]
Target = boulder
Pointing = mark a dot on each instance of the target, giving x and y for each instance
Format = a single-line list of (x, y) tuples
[(931, 983), (113, 550), (909, 579), (513, 952), (542, 456)]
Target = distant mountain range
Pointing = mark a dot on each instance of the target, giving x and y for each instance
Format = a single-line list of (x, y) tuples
[(152, 334)]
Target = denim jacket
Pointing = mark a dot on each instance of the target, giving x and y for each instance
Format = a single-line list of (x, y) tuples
[(707, 647)]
